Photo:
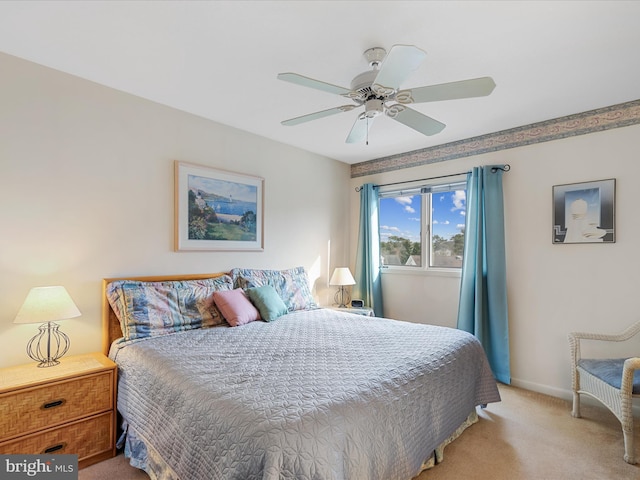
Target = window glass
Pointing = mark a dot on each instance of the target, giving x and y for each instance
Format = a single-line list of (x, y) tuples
[(400, 230), (438, 212), (447, 228)]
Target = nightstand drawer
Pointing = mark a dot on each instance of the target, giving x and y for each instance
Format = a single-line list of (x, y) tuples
[(32, 409), (84, 438)]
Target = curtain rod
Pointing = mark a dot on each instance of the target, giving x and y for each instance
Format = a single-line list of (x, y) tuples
[(504, 168)]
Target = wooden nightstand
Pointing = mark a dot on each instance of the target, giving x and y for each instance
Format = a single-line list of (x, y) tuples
[(66, 409), (366, 311)]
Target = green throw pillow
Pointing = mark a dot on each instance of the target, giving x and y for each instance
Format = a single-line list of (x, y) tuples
[(268, 302)]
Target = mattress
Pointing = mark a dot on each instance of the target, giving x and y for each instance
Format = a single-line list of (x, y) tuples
[(317, 394)]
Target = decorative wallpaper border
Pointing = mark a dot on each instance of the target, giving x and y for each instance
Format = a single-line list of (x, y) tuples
[(615, 116)]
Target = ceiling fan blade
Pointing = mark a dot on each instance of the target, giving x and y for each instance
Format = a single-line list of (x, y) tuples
[(416, 120), (311, 83), (316, 115), (360, 129), (400, 62), (476, 87)]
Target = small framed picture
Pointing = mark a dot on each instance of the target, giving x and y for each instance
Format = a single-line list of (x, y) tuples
[(584, 212), (217, 210)]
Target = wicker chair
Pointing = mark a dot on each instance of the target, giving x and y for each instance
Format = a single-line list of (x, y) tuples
[(611, 381)]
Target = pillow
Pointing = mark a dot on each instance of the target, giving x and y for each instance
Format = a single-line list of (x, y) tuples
[(150, 309), (235, 307), (292, 285), (268, 302)]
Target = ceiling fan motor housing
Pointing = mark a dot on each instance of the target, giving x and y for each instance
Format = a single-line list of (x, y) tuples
[(362, 83)]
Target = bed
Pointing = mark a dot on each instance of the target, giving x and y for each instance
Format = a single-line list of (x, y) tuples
[(314, 393)]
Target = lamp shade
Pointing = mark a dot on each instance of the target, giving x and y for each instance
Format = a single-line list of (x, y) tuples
[(342, 276), (47, 304)]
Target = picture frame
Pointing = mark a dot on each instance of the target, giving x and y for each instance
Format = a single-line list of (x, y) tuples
[(584, 212), (217, 209)]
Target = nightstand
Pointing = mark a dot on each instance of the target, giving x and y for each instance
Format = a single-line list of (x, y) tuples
[(366, 311), (66, 409)]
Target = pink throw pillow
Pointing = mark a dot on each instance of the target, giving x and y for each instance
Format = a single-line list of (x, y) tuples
[(235, 307)]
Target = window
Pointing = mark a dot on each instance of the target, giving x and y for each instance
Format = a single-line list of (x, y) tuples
[(423, 227)]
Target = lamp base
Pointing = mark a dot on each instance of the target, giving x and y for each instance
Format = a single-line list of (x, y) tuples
[(342, 297), (40, 348), (48, 363)]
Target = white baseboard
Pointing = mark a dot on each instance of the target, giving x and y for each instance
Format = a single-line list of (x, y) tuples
[(545, 389), (563, 394)]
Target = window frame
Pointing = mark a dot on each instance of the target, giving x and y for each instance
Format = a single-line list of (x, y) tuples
[(426, 192)]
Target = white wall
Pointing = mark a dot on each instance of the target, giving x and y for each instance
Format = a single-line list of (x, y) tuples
[(552, 289), (86, 193)]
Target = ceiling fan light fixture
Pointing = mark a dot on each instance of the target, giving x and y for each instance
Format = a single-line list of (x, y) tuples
[(373, 107)]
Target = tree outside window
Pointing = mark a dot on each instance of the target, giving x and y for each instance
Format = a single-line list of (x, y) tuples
[(403, 219)]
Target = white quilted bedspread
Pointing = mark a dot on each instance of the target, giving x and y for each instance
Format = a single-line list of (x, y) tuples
[(318, 395)]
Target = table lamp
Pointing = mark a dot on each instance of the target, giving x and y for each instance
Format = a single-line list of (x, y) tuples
[(46, 305), (342, 276)]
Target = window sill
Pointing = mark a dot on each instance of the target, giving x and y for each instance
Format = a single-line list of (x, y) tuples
[(427, 272)]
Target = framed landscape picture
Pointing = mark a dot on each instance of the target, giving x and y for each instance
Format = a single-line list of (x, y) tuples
[(584, 212), (217, 209)]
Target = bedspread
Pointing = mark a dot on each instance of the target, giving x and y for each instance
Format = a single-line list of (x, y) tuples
[(313, 395)]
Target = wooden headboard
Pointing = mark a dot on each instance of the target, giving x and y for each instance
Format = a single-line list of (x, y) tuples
[(111, 325)]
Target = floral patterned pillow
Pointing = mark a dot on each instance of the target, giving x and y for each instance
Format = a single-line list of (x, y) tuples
[(150, 309), (292, 285)]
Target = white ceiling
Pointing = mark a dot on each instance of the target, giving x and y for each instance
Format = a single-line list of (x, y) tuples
[(219, 59)]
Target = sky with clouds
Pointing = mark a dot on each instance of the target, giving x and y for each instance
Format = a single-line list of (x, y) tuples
[(400, 216), (224, 188)]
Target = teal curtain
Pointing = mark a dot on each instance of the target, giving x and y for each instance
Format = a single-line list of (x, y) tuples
[(367, 275), (483, 286)]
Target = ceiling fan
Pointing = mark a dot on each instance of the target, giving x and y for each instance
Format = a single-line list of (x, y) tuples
[(378, 90)]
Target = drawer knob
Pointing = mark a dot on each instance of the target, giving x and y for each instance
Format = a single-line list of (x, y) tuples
[(55, 403), (54, 448)]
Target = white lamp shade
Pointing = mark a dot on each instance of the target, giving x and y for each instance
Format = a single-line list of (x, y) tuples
[(342, 276), (47, 304)]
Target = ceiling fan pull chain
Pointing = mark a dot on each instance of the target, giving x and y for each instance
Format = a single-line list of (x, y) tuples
[(367, 130)]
